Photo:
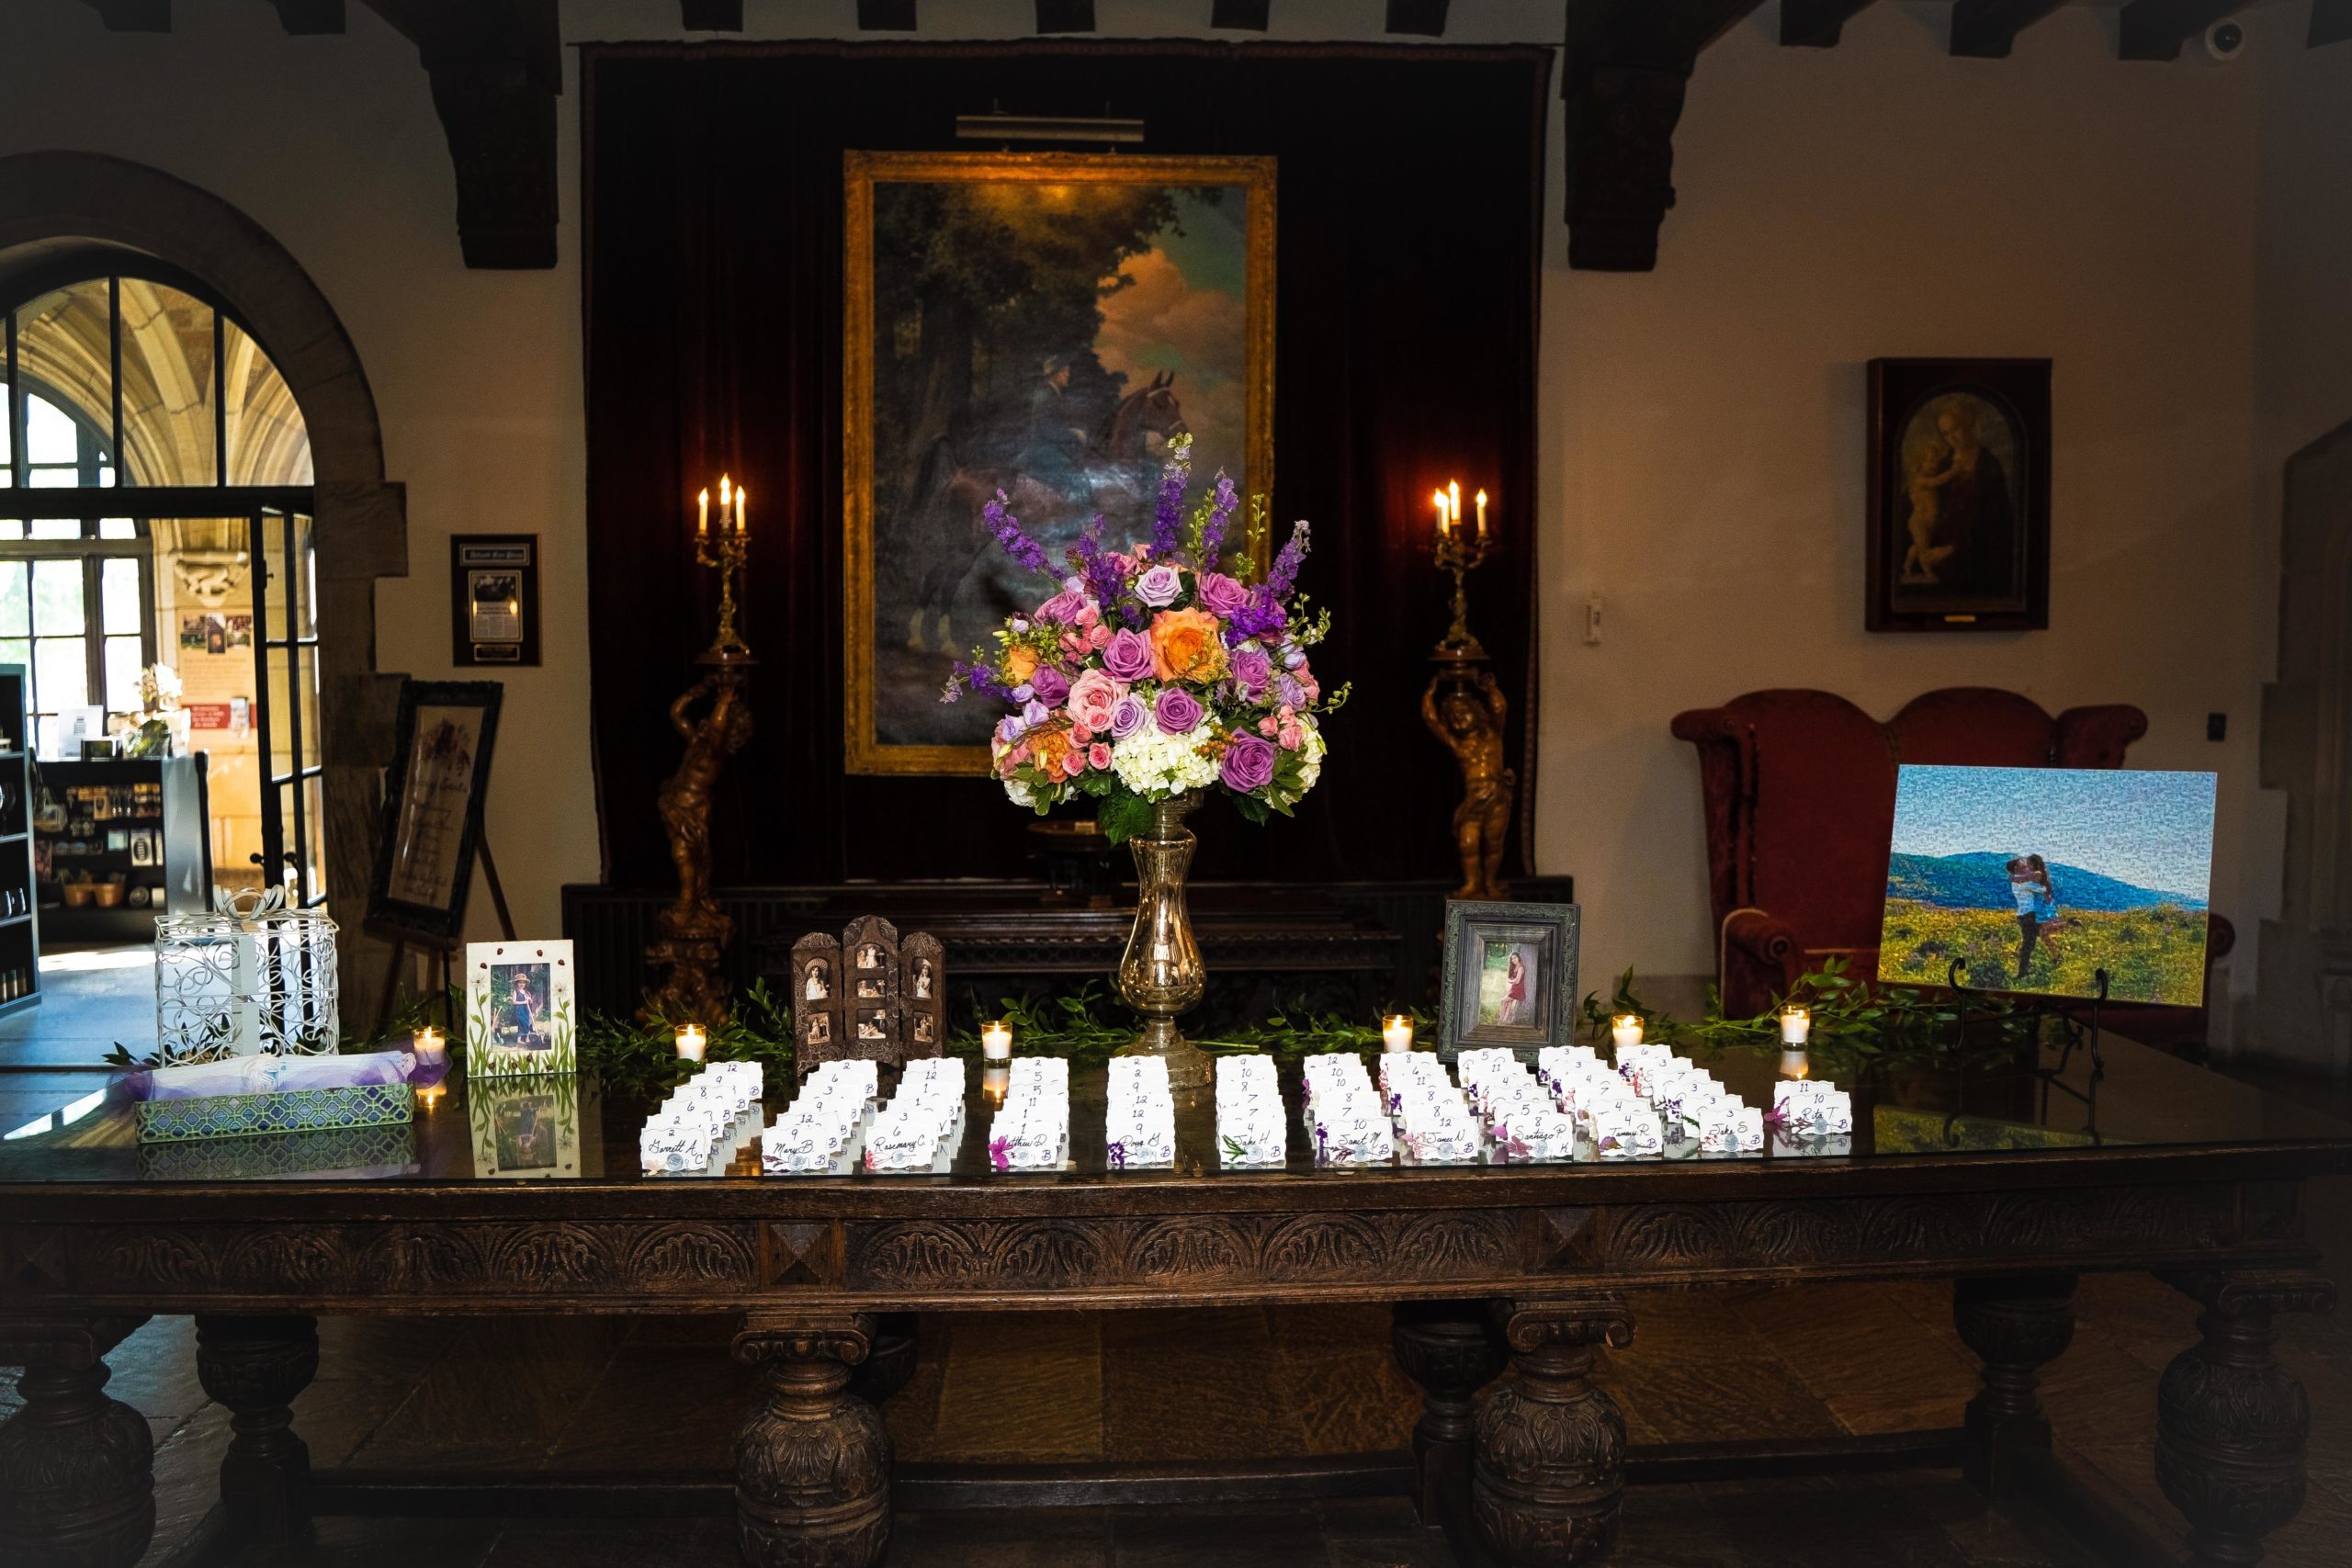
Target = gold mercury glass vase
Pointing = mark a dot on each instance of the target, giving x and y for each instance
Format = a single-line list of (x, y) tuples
[(1161, 974)]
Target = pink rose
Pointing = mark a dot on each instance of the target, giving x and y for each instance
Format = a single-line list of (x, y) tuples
[(1219, 594), (1062, 607), (1087, 615), (1098, 756), (1093, 697), (1097, 635)]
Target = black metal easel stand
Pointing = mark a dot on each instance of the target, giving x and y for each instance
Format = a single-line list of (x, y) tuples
[(2053, 1077)]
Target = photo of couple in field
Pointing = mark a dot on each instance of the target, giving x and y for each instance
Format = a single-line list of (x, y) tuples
[(2038, 879)]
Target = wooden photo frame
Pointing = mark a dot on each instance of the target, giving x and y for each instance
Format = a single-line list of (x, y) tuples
[(1959, 528), (442, 742), (1059, 397), (1509, 977)]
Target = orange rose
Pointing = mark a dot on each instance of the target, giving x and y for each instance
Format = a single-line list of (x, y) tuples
[(1048, 744), (1020, 663), (1185, 647)]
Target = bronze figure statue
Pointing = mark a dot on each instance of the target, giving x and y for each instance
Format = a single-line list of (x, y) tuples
[(1464, 707), (693, 930)]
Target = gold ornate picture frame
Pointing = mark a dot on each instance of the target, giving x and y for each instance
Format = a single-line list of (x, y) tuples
[(1039, 324)]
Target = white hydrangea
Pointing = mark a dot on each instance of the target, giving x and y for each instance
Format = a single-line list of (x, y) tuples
[(1310, 754), (1153, 764)]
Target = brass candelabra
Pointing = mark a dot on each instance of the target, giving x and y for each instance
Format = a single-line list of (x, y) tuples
[(729, 542), (1465, 707), (1460, 553)]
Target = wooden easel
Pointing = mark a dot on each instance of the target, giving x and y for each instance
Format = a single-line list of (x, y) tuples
[(444, 947)]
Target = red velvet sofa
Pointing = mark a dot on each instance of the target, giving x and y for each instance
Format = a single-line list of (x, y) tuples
[(1799, 791)]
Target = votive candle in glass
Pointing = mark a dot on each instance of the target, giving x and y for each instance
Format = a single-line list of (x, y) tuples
[(432, 1047), (1795, 1063), (1396, 1033), (996, 1041), (692, 1041), (1796, 1023), (1625, 1030)]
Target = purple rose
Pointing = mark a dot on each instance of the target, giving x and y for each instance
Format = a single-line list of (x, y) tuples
[(1127, 655), (1177, 710), (1158, 586), (1062, 608), (1051, 686), (1292, 693), (1249, 764), (1219, 594), (1251, 670), (1128, 715)]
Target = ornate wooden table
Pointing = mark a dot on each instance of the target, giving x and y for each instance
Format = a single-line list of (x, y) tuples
[(2189, 1175)]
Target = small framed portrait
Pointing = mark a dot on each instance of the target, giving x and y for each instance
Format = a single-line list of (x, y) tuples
[(1510, 976), (520, 1016), (873, 1025), (1959, 495), (819, 1030), (817, 980)]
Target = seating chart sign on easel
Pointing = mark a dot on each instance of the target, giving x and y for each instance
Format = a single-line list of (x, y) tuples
[(433, 821)]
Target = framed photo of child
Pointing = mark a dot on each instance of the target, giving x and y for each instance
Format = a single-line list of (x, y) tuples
[(1509, 977), (520, 1015), (1959, 495)]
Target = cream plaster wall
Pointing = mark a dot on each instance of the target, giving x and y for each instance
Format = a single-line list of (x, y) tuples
[(1703, 468)]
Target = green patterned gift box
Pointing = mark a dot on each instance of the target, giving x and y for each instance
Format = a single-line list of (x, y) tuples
[(286, 1111)]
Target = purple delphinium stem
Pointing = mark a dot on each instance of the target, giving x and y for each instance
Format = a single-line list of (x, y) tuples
[(1168, 520), (1016, 543), (1220, 514), (1294, 556), (1102, 573)]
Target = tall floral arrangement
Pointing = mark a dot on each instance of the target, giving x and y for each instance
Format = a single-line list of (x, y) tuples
[(1159, 672)]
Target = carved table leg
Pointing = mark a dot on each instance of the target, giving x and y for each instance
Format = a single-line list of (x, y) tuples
[(891, 1360), (1548, 1472), (1450, 1348), (255, 1366), (812, 1462), (2017, 1325), (2230, 1422), (77, 1478)]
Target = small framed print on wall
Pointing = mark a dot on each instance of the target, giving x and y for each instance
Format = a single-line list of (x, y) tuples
[(1959, 495), (494, 599)]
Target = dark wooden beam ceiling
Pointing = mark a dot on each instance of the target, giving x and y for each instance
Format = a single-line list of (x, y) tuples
[(2331, 22), (1629, 63), (1987, 30), (2155, 30), (1815, 24), (496, 68), (310, 19), (133, 15)]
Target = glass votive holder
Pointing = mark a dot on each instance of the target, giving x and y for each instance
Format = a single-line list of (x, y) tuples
[(996, 1041), (693, 1042), (1396, 1033)]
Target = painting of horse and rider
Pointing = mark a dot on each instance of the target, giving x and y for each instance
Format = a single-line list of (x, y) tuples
[(1038, 327)]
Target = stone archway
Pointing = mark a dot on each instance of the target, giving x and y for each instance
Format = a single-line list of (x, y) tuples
[(54, 202)]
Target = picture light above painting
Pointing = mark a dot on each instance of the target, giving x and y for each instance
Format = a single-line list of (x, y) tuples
[(1039, 325), (1959, 495)]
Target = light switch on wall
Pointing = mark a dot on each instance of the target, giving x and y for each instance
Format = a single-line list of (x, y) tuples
[(1592, 618)]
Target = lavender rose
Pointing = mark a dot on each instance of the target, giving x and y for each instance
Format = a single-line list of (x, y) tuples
[(1158, 586), (1293, 694), (1176, 709), (1251, 670), (1127, 655), (1051, 686), (1219, 594), (1128, 715), (1249, 764)]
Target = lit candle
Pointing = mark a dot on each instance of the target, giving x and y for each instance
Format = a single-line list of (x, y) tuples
[(702, 513), (1796, 1023), (740, 493), (1794, 1063), (432, 1047), (429, 1096), (1396, 1034), (1482, 514), (692, 1041), (1440, 514), (1454, 505), (1625, 1030), (996, 1041), (994, 1082)]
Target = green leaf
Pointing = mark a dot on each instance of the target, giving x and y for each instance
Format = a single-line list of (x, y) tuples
[(1123, 814), (1252, 809)]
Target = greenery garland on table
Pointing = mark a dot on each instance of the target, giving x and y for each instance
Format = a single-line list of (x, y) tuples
[(1853, 1022)]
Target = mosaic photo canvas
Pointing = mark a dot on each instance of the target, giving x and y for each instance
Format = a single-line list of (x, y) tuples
[(2037, 879)]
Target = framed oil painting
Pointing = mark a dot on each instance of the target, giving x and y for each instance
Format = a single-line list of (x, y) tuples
[(2068, 882), (1040, 324), (1959, 495), (1509, 977)]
